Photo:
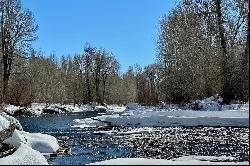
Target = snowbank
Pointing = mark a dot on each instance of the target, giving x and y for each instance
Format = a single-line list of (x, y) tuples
[(37, 109), (186, 160), (24, 155), (12, 120), (214, 103), (41, 142)]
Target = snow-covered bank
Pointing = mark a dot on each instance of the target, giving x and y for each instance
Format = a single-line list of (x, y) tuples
[(186, 160), (36, 109), (30, 146), (143, 116)]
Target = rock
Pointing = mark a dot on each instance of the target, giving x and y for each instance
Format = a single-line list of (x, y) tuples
[(100, 109), (6, 150), (53, 155), (50, 111), (7, 132), (68, 151), (196, 106)]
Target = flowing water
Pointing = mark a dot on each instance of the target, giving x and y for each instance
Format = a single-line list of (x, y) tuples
[(84, 146)]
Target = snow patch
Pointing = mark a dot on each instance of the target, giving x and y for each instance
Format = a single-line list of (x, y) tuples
[(87, 122), (24, 155), (11, 109), (186, 160)]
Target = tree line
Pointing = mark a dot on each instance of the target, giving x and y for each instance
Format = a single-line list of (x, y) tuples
[(202, 50)]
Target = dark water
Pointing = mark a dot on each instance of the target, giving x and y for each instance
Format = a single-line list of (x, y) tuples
[(88, 146)]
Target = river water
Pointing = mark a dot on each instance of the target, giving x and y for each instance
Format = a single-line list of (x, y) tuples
[(84, 146)]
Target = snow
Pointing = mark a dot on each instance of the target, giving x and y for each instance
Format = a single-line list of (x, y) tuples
[(30, 146), (143, 116), (186, 160), (86, 107), (208, 104), (24, 155), (37, 109), (159, 118), (41, 142), (239, 107), (213, 103), (100, 108), (136, 131), (87, 122), (72, 108), (11, 109), (12, 120), (4, 123), (133, 106), (115, 108)]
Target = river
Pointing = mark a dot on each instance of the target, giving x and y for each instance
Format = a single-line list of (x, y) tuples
[(84, 146)]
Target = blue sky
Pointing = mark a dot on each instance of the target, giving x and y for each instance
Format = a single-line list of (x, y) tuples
[(127, 28)]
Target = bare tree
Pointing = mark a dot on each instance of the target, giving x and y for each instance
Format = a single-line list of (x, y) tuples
[(18, 30)]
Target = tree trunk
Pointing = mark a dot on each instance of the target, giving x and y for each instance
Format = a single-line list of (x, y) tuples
[(245, 68), (226, 86)]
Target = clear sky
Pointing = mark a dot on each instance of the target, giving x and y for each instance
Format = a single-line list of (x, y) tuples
[(127, 28)]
